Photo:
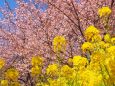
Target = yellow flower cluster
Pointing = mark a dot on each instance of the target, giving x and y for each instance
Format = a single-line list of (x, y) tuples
[(112, 69), (66, 71), (87, 46), (90, 78), (90, 32), (59, 82), (37, 60), (35, 70), (52, 70), (37, 63), (96, 38), (96, 68), (107, 38), (97, 57), (104, 11), (78, 60), (111, 50), (59, 43), (12, 74)]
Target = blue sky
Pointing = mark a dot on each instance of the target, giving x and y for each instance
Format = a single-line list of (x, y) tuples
[(13, 5)]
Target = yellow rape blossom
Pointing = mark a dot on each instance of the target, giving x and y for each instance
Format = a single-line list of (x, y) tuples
[(104, 11), (97, 57), (90, 78), (66, 71), (81, 61), (111, 68), (87, 46), (113, 40), (111, 50), (107, 38), (96, 38), (53, 83), (90, 32), (101, 44), (76, 60), (37, 61), (35, 70), (52, 70), (61, 81), (107, 45), (12, 74), (95, 66), (59, 43), (2, 63), (4, 83)]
